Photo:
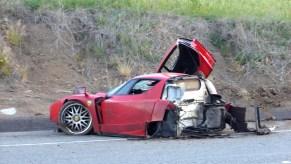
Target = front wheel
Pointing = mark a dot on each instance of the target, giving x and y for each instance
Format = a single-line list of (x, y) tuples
[(75, 118)]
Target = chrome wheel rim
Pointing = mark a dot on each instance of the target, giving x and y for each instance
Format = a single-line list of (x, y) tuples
[(76, 118)]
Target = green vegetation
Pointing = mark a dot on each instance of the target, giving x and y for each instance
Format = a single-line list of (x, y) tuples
[(266, 20), (13, 38), (251, 42), (14, 32), (80, 57), (98, 50), (4, 65), (252, 34), (245, 58), (221, 44), (242, 9)]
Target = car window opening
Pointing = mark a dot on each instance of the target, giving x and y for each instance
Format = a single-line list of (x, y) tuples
[(185, 89), (143, 86), (182, 60)]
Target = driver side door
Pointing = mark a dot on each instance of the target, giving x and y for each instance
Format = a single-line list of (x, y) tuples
[(127, 111)]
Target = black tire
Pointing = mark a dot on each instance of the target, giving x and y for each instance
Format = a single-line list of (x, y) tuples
[(75, 118)]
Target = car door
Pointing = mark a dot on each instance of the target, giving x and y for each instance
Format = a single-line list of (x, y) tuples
[(128, 110), (189, 57)]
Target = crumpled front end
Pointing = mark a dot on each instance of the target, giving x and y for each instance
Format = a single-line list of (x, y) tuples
[(197, 110), (192, 113)]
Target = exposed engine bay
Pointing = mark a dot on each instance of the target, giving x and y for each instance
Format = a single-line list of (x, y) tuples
[(199, 111)]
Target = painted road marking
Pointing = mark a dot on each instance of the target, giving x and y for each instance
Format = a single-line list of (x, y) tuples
[(281, 131), (91, 141), (57, 143), (275, 131)]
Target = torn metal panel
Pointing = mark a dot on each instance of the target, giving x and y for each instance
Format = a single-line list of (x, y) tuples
[(188, 95), (198, 111), (159, 110), (168, 127), (235, 117)]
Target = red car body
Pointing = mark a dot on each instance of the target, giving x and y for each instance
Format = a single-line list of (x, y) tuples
[(136, 112), (198, 60)]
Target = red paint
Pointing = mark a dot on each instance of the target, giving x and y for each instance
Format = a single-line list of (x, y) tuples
[(129, 114), (227, 106), (123, 114), (206, 59), (159, 110)]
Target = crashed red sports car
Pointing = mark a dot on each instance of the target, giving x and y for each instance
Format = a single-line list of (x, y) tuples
[(176, 101)]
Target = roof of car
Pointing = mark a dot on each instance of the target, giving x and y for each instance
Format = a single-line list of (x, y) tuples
[(160, 75)]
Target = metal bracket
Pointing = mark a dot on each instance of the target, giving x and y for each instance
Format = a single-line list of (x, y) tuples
[(260, 130)]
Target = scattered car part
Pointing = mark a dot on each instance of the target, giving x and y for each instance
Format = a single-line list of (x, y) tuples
[(260, 130)]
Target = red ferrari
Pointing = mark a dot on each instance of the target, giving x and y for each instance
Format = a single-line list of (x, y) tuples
[(176, 101)]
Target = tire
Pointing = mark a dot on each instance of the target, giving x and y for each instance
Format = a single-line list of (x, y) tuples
[(75, 119)]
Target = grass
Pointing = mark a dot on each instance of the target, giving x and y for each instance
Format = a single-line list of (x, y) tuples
[(13, 37), (23, 74), (80, 57), (249, 42), (124, 69), (98, 50), (245, 58), (221, 44), (4, 65), (214, 9), (245, 31), (244, 93), (273, 12), (14, 32)]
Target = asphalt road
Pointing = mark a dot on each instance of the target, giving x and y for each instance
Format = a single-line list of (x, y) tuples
[(52, 147), (36, 123)]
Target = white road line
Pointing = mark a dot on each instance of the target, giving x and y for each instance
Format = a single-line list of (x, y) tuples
[(281, 131), (91, 141), (275, 131), (57, 143)]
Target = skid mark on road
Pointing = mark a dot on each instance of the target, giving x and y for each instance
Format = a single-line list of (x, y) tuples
[(58, 143)]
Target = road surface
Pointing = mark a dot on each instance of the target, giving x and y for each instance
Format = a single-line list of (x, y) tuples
[(52, 147)]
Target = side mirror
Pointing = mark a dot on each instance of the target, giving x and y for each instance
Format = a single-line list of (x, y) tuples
[(79, 90)]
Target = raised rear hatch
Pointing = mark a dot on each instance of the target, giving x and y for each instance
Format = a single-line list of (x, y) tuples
[(189, 57)]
